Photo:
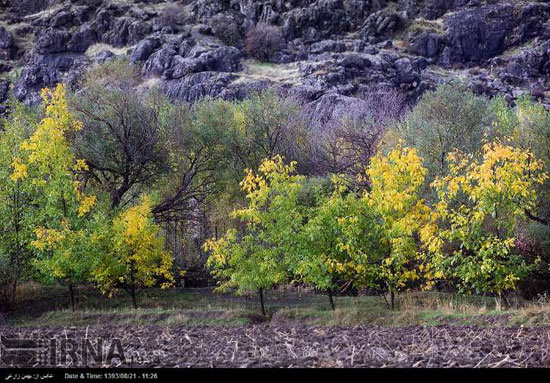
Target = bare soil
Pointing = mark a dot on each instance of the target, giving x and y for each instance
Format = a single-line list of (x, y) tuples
[(266, 345)]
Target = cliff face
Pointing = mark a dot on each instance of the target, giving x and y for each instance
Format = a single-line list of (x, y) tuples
[(194, 48)]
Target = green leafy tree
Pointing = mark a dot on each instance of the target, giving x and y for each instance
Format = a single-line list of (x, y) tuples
[(451, 117), (481, 201), (17, 208), (338, 243), (528, 126), (256, 258), (49, 165)]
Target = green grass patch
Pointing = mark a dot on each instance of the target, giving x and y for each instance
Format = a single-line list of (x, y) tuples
[(139, 317), (47, 306)]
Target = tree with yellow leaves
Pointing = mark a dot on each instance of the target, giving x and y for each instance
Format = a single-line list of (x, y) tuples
[(481, 201), (255, 259), (405, 222), (134, 255), (48, 164)]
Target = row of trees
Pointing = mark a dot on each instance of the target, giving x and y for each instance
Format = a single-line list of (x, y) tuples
[(456, 208), (117, 185), (51, 224), (386, 238), (78, 172)]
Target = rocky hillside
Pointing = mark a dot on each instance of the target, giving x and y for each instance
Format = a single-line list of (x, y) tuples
[(333, 50)]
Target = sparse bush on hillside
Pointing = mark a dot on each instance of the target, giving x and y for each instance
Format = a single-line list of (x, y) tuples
[(263, 41), (171, 15), (226, 30)]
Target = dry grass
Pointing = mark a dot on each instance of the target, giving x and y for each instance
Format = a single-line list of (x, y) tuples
[(29, 291), (46, 13), (96, 48), (150, 83), (279, 73), (420, 25), (532, 314), (403, 44), (445, 303)]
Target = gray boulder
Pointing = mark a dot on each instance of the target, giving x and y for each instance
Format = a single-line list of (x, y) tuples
[(331, 108), (103, 56), (479, 34), (46, 71), (426, 44), (4, 88), (161, 60), (82, 39), (52, 41), (406, 74), (144, 49), (196, 86), (7, 46)]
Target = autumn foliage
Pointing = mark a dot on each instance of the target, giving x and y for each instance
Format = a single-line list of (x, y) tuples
[(56, 220), (114, 190), (387, 238)]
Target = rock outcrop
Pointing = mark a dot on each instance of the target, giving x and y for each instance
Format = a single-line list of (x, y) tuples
[(336, 49)]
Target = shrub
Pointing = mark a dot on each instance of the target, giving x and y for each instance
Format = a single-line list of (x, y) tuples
[(263, 41), (451, 117), (171, 15), (226, 30)]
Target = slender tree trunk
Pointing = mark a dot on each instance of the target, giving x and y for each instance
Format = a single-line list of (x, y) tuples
[(133, 294), (501, 301), (18, 253), (383, 294), (119, 193), (134, 300), (505, 300), (71, 294), (13, 292), (132, 288), (262, 306), (392, 299), (331, 299)]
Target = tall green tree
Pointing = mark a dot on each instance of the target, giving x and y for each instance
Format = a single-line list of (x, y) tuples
[(338, 243), (17, 206), (451, 117), (527, 125), (255, 258), (49, 165)]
